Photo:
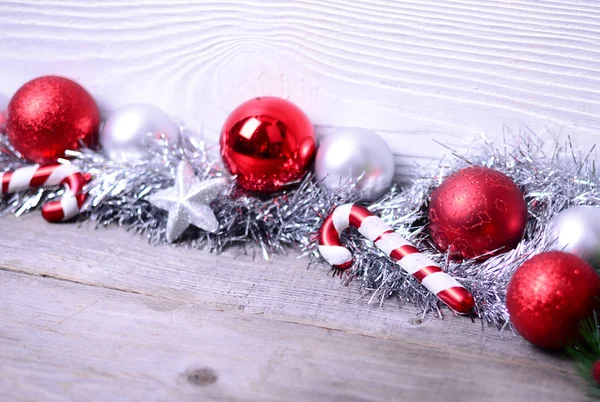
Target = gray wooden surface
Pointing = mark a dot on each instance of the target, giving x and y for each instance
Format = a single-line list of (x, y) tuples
[(101, 315)]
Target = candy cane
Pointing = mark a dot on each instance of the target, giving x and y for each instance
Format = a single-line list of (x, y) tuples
[(45, 176), (444, 286)]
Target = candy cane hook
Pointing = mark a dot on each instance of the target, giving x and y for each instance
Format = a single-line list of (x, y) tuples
[(444, 286), (45, 176)]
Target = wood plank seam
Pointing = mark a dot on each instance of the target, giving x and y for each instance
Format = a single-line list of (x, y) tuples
[(114, 343), (186, 305), (60, 278)]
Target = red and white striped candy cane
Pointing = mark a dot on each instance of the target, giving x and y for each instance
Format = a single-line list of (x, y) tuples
[(36, 176), (444, 286)]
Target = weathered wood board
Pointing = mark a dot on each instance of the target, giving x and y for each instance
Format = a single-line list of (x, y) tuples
[(99, 314)]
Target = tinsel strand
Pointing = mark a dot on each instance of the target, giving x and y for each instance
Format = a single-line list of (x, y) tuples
[(550, 181), (266, 225)]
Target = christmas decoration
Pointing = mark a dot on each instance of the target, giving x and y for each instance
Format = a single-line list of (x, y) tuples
[(444, 286), (187, 202), (129, 132), (549, 295), (270, 223), (477, 212), (586, 353), (268, 143), (3, 114), (577, 231), (49, 115), (551, 185), (34, 176), (355, 155), (264, 225)]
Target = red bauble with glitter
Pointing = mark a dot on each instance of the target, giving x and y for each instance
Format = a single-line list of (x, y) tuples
[(269, 143), (549, 295), (477, 212), (49, 115)]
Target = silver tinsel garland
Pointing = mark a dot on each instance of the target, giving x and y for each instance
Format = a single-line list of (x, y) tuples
[(271, 224), (263, 224), (551, 180)]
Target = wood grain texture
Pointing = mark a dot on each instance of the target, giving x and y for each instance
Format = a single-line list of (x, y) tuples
[(65, 341), (89, 309), (414, 70), (89, 314)]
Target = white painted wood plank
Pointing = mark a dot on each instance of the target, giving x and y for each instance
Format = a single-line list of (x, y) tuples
[(62, 341), (282, 289), (414, 70)]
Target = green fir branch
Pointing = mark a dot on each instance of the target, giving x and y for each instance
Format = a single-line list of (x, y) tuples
[(586, 352)]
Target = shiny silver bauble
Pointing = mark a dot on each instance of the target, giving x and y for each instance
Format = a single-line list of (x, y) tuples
[(355, 155), (128, 133), (577, 231)]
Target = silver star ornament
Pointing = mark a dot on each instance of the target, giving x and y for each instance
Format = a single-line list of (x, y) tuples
[(188, 202)]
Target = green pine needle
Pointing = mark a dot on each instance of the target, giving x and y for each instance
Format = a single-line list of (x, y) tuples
[(586, 352)]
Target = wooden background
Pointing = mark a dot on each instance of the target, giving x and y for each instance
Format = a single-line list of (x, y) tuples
[(414, 70), (92, 315)]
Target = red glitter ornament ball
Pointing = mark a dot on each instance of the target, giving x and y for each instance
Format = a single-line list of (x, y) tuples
[(549, 295), (49, 115), (477, 212), (268, 143)]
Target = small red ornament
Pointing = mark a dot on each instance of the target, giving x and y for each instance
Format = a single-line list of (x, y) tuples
[(477, 211), (268, 143), (549, 295), (2, 121), (49, 115)]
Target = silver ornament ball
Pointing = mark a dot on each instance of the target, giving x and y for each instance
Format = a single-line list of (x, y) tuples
[(355, 155), (127, 133), (577, 231)]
